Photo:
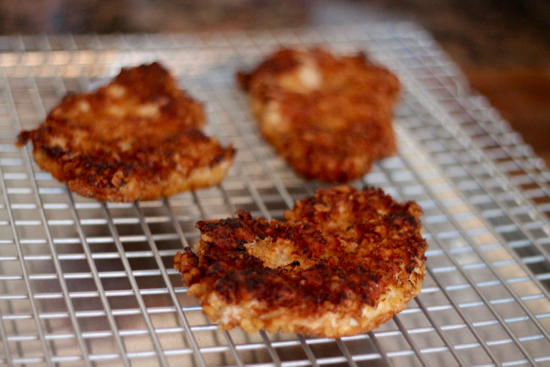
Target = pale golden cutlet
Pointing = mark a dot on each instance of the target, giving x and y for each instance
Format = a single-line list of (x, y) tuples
[(343, 262), (330, 118), (137, 138)]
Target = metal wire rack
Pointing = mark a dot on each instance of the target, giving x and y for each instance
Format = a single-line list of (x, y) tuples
[(88, 283)]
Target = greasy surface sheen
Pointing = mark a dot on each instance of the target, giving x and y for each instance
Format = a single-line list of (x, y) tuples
[(329, 118), (136, 138), (342, 263)]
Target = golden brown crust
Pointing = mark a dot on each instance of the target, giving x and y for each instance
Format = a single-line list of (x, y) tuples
[(136, 138), (343, 262), (329, 118)]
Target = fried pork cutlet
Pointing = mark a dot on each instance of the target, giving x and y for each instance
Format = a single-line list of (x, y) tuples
[(329, 118), (343, 262), (137, 138)]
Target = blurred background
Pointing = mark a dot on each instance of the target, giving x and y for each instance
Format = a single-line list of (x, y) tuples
[(503, 47)]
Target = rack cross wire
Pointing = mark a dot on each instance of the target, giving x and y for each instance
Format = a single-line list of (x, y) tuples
[(83, 282)]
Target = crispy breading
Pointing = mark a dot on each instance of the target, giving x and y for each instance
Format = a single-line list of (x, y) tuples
[(137, 138), (343, 262), (329, 118)]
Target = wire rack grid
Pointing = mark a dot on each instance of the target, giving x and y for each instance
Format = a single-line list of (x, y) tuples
[(83, 282)]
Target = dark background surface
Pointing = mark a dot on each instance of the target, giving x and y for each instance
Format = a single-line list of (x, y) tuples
[(503, 47)]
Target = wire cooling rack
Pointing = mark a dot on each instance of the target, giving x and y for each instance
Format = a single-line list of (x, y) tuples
[(83, 283)]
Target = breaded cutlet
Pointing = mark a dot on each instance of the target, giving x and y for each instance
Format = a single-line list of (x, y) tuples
[(343, 262), (329, 117), (137, 138)]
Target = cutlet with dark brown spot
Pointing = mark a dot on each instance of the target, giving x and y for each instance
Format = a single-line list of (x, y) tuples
[(328, 117), (342, 263), (137, 138)]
